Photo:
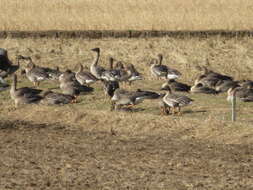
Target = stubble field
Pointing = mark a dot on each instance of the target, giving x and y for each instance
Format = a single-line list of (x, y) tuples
[(126, 15), (86, 146)]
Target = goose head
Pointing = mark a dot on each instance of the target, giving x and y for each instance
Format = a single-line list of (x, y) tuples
[(97, 49)]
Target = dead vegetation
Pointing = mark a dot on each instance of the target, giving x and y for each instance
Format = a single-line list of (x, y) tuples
[(126, 15), (84, 145)]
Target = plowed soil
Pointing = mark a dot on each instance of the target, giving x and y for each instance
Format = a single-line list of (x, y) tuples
[(41, 156)]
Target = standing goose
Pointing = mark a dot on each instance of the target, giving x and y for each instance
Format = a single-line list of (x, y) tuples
[(33, 73), (162, 70), (125, 98), (176, 86), (134, 74), (95, 69), (23, 95), (85, 77), (176, 101), (111, 74), (69, 85), (157, 69)]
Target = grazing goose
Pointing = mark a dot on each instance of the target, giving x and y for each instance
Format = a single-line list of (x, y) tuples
[(176, 86), (23, 95), (200, 88), (55, 98), (95, 69), (176, 101), (33, 73), (125, 98), (85, 77), (244, 94)]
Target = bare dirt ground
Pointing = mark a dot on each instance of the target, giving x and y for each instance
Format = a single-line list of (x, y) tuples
[(41, 156), (85, 146)]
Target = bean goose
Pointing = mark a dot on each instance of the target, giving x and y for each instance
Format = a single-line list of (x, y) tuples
[(95, 69), (174, 101), (23, 95), (55, 98), (85, 77)]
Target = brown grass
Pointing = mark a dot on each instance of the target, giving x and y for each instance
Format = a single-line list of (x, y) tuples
[(126, 15), (72, 146)]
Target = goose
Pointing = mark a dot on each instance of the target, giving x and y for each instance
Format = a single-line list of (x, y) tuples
[(122, 97), (4, 63), (127, 74), (162, 70), (111, 74), (23, 95), (6, 66), (134, 75), (158, 70), (176, 86), (246, 84), (53, 74), (95, 69), (109, 87), (85, 77), (225, 85), (210, 73), (173, 101), (207, 81), (70, 86), (33, 73), (66, 76), (243, 94), (200, 88), (55, 98)]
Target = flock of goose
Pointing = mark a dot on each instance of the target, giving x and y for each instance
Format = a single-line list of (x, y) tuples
[(73, 84)]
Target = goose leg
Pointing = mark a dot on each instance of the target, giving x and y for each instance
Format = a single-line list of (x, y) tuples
[(179, 111), (167, 111), (163, 110)]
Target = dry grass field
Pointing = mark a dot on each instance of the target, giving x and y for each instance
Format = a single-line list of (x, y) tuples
[(126, 15), (73, 146)]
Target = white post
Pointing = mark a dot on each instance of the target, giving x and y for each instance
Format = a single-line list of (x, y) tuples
[(233, 107)]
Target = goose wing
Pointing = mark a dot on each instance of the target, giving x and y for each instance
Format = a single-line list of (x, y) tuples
[(39, 73), (160, 69)]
